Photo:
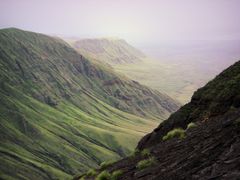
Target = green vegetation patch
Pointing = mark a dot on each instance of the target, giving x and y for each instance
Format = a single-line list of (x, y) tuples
[(177, 132), (191, 125), (116, 174), (105, 164), (91, 172), (136, 152), (83, 177), (146, 163), (145, 152), (104, 175)]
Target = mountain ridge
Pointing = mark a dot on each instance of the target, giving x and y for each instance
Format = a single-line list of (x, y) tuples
[(105, 50)]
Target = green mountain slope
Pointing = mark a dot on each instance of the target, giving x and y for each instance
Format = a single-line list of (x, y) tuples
[(112, 51), (60, 114)]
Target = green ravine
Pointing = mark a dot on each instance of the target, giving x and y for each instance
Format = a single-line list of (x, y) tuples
[(61, 114)]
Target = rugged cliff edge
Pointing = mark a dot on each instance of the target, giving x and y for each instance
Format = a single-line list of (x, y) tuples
[(202, 142)]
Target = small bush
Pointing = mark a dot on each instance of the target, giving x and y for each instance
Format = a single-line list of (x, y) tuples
[(83, 177), (91, 172), (135, 153), (116, 174), (104, 175), (103, 165), (191, 125), (145, 163), (79, 177), (178, 132), (145, 152)]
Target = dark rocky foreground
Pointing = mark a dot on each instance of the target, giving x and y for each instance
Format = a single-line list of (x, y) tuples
[(209, 150)]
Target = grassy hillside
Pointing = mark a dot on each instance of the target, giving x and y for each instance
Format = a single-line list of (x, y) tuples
[(112, 51), (60, 114)]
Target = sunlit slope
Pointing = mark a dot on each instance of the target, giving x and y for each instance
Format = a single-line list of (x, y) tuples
[(60, 114), (106, 50), (40, 142)]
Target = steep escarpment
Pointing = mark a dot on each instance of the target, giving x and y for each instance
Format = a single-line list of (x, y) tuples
[(60, 114), (199, 141), (37, 61)]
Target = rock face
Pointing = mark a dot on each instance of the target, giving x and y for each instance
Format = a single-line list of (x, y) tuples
[(209, 150)]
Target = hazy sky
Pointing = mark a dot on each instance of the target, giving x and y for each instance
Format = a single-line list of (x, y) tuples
[(133, 20)]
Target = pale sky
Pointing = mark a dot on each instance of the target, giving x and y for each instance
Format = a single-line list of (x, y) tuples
[(134, 20)]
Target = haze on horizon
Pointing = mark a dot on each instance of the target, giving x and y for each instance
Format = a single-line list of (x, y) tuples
[(137, 21)]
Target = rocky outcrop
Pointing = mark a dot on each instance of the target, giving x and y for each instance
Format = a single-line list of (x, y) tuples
[(209, 151)]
